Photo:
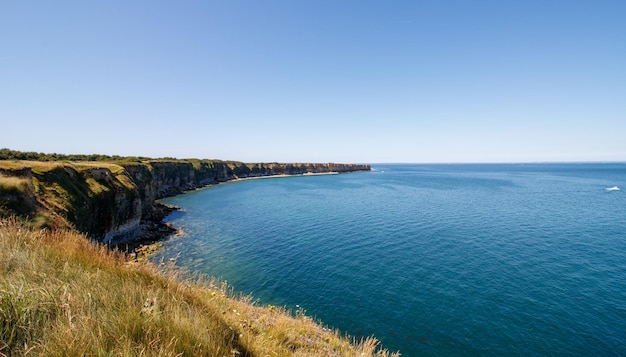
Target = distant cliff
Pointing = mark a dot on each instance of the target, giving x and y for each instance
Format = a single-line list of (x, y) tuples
[(116, 202)]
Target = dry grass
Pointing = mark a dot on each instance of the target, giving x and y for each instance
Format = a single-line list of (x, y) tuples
[(15, 164), (87, 165), (45, 166), (13, 184), (63, 295)]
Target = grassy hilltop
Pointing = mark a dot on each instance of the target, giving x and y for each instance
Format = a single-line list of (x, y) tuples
[(62, 293)]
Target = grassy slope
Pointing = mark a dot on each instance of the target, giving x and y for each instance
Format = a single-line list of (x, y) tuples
[(60, 294), (55, 192)]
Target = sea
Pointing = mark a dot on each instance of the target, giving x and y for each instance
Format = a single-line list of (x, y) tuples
[(431, 259)]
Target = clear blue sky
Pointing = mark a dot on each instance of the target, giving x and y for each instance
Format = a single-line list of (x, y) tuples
[(319, 80)]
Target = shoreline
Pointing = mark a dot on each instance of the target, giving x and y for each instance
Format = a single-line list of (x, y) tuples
[(282, 176), (116, 200), (153, 230)]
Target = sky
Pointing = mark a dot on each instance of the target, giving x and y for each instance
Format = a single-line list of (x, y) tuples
[(316, 81)]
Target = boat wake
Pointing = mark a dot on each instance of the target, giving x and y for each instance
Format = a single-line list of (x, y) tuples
[(614, 188)]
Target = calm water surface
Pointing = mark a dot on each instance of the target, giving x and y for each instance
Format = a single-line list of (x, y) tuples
[(431, 259)]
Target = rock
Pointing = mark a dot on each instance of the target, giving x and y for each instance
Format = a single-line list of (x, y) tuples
[(117, 203)]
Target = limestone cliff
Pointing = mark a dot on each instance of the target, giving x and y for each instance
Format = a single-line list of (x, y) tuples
[(117, 202)]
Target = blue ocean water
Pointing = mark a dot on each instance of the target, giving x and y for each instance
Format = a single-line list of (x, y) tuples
[(500, 259)]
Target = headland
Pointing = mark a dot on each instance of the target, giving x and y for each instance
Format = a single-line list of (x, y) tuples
[(66, 293), (114, 200)]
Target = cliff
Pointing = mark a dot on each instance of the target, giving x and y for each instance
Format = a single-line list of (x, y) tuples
[(116, 203)]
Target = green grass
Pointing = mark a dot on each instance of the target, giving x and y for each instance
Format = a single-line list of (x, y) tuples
[(62, 295)]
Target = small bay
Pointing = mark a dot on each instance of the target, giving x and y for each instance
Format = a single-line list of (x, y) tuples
[(493, 259)]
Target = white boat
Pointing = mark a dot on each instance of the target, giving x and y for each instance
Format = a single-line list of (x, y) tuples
[(614, 188)]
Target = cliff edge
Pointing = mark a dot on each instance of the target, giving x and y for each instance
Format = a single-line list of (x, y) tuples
[(116, 202)]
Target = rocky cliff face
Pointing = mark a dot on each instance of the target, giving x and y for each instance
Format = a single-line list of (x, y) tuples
[(116, 203)]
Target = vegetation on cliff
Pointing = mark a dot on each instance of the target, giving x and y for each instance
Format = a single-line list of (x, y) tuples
[(115, 201), (58, 194), (61, 294), (8, 154)]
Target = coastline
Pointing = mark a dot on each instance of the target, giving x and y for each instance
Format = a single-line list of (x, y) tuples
[(153, 230), (105, 218), (78, 309), (282, 176), (116, 201)]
